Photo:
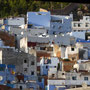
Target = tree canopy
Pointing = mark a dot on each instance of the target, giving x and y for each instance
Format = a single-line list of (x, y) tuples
[(17, 7)]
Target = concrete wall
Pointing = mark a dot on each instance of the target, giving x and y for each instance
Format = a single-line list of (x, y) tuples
[(10, 56)]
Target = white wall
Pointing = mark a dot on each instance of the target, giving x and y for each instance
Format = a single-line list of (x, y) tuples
[(76, 50), (23, 44), (82, 22), (18, 86), (16, 21), (0, 56)]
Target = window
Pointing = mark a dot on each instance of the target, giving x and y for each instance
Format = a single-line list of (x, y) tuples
[(79, 25), (20, 87), (74, 24), (54, 66), (60, 21), (63, 74), (86, 25), (2, 68), (72, 49), (74, 30), (53, 75), (53, 26), (73, 58), (49, 48), (25, 61), (59, 27), (39, 14), (48, 61), (74, 78), (86, 18), (25, 69), (54, 32), (46, 67), (86, 78), (30, 25), (42, 48), (32, 63), (32, 73)]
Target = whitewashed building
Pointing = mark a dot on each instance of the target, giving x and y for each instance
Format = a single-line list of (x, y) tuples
[(79, 28), (83, 24), (69, 79), (16, 21), (46, 64)]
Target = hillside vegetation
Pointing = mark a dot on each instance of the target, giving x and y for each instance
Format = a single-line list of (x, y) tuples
[(18, 7)]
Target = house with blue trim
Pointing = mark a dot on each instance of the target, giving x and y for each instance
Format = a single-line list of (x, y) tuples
[(46, 64)]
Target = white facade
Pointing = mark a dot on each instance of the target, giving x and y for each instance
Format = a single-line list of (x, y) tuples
[(83, 24), (69, 50), (21, 86), (23, 44), (54, 61), (72, 79), (77, 78), (79, 28), (1, 21), (17, 21), (53, 64), (0, 56), (60, 24)]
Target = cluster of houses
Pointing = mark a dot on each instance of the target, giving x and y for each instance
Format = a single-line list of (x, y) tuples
[(51, 52)]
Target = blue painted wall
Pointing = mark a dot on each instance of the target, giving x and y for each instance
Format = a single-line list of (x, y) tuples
[(7, 72), (39, 18)]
